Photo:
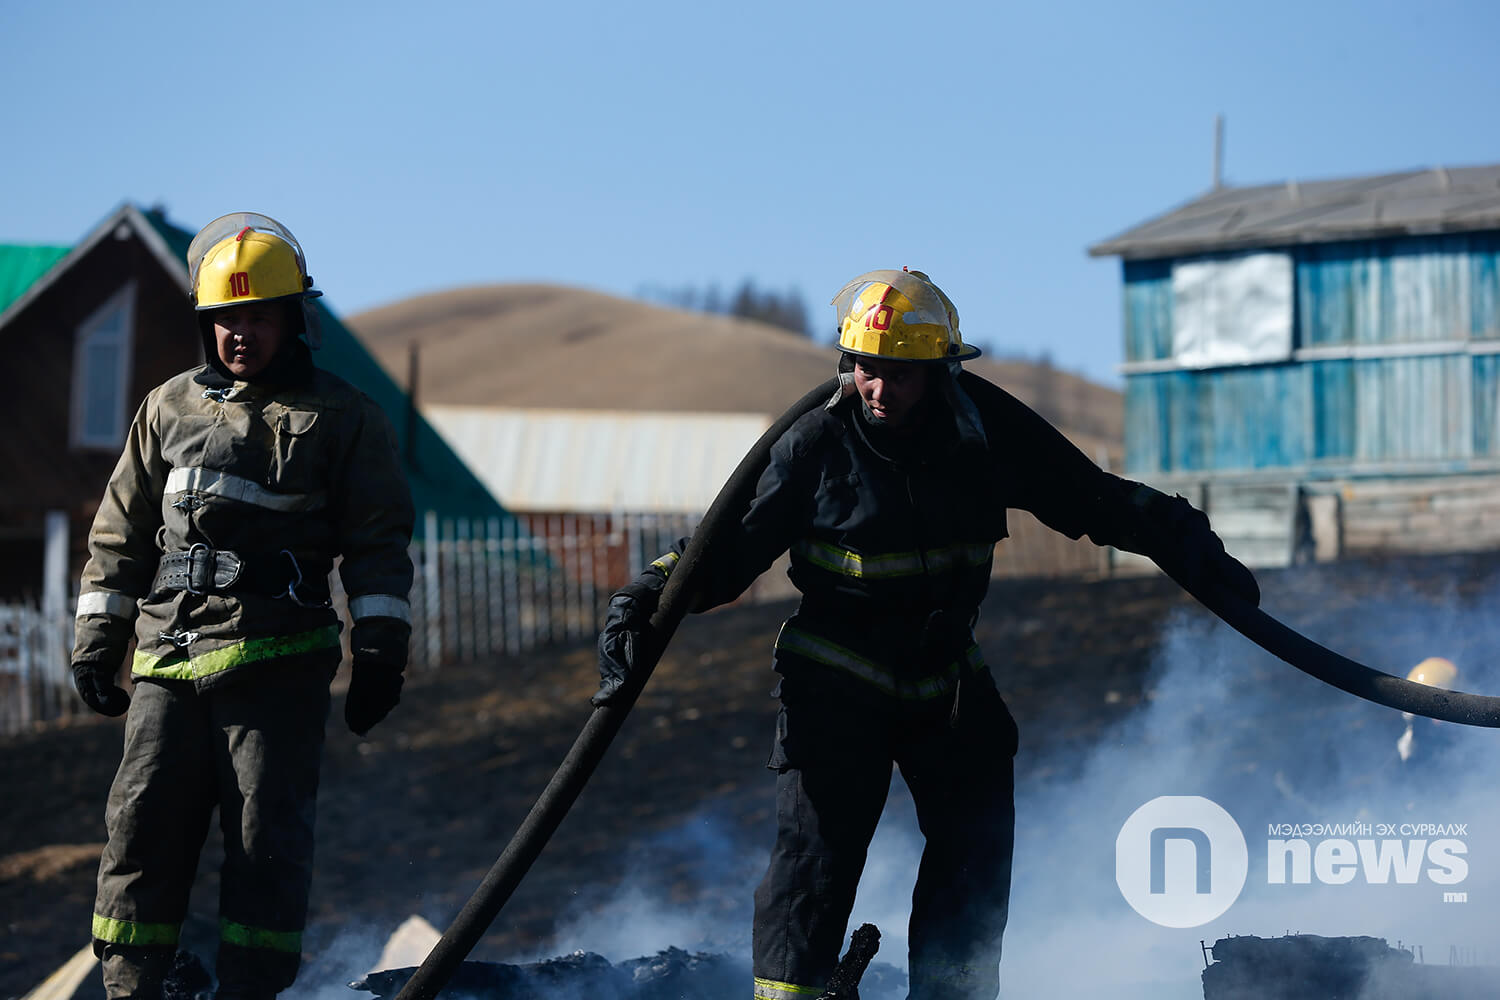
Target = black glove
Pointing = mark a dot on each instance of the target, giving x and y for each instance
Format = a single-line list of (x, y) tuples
[(96, 686), (374, 689), (626, 622), (1193, 555)]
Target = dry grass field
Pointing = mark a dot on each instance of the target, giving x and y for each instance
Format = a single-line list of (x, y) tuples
[(411, 818)]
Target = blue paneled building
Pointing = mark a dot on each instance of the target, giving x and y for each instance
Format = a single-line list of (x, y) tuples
[(1319, 363)]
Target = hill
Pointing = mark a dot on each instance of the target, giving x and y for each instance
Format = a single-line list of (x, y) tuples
[(536, 345)]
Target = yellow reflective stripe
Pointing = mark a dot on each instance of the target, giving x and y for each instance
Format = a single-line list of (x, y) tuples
[(130, 932), (259, 937), (176, 666), (666, 563), (817, 648), (848, 562), (830, 653), (770, 989)]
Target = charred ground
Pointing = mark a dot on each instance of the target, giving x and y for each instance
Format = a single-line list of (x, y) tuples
[(411, 818)]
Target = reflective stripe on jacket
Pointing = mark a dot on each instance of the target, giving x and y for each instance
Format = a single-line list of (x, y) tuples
[(892, 539), (307, 467), (881, 674)]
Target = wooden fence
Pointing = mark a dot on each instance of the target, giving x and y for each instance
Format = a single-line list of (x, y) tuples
[(36, 684), (488, 588), (482, 588)]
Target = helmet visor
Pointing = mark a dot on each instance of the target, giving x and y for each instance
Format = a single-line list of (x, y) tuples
[(920, 304), (899, 314), (228, 225)]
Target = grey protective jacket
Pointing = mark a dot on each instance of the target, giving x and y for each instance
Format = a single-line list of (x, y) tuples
[(264, 485)]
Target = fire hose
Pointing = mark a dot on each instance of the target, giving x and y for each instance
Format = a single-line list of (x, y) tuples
[(728, 507), (588, 749)]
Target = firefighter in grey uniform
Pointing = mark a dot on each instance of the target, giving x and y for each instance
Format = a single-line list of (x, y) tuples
[(239, 485), (891, 499)]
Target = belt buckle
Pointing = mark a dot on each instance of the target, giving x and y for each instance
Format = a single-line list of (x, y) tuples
[(200, 569)]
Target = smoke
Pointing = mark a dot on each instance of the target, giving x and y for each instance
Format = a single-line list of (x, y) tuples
[(713, 871), (1271, 746), (338, 956), (1222, 720)]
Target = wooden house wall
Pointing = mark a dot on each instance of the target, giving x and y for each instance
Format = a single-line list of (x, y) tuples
[(1357, 414), (1148, 310), (36, 387), (1485, 387), (1411, 290), (1226, 418)]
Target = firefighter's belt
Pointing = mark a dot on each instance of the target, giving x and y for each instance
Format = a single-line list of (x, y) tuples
[(199, 570), (205, 570)]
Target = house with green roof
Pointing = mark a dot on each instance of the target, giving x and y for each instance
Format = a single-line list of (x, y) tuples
[(92, 328)]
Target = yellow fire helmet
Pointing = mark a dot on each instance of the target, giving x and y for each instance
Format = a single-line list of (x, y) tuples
[(247, 257), (1435, 672), (900, 315)]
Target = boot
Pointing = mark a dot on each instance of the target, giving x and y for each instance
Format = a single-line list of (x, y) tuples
[(132, 971)]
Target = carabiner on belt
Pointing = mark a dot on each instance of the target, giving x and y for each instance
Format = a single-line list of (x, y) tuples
[(291, 588)]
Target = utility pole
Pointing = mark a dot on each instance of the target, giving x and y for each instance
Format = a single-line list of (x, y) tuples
[(1218, 151)]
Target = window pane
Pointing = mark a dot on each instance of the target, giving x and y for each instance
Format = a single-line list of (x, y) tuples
[(101, 405)]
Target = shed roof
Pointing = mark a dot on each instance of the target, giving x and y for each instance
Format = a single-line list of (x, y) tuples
[(1415, 202), (598, 461)]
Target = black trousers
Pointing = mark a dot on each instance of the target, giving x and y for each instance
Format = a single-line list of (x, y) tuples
[(837, 739), (253, 749)]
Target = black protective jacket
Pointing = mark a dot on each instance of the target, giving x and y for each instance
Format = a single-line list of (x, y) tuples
[(892, 538)]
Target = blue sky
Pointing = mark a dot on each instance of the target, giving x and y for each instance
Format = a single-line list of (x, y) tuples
[(420, 147)]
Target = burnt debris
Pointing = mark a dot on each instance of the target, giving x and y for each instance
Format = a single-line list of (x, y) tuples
[(1304, 966), (582, 974), (844, 983), (670, 974)]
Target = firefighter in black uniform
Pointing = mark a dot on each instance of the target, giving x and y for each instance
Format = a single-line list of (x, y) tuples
[(891, 499), (240, 483)]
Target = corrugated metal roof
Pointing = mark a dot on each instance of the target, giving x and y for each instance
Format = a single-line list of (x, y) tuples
[(596, 461), (20, 266), (1415, 202)]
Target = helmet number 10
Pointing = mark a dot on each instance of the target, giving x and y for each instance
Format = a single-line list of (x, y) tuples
[(239, 283), (878, 317)]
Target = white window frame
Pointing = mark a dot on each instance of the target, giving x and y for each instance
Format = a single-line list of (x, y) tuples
[(99, 324)]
